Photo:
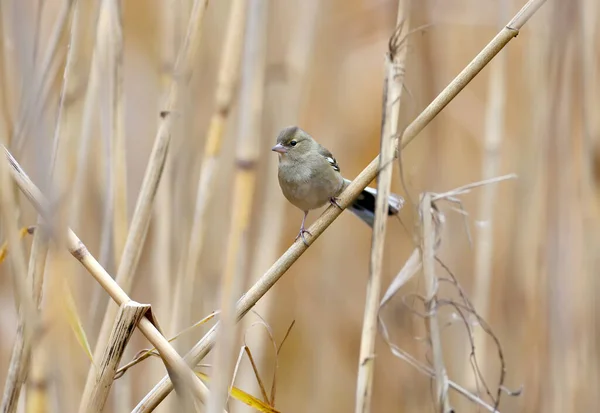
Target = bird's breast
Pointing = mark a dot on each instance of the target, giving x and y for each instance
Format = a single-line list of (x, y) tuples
[(304, 188)]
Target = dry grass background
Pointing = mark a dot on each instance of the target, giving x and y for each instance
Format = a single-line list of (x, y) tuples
[(530, 271)]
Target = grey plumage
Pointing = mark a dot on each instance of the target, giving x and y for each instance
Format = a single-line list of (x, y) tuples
[(310, 177)]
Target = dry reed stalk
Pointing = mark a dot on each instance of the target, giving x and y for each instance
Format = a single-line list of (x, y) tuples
[(33, 103), (118, 167), (162, 275), (528, 231), (283, 107), (81, 253), (29, 322), (490, 165), (128, 316), (441, 402), (226, 84), (6, 78), (20, 358), (564, 249), (248, 142), (90, 111), (143, 209), (285, 261), (162, 280), (393, 86)]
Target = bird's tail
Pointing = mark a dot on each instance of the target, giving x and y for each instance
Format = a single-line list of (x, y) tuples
[(364, 205)]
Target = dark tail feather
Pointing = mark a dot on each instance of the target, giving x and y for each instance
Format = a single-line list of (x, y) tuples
[(364, 206)]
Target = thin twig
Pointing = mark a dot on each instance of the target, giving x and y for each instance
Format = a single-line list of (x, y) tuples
[(247, 301)]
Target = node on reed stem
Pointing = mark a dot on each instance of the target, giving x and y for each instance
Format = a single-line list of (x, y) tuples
[(268, 280)]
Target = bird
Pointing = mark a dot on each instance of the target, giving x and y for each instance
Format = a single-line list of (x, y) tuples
[(310, 177)]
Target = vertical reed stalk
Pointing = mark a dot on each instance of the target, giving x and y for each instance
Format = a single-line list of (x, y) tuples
[(494, 131), (247, 145), (442, 403), (142, 214), (268, 280), (392, 96), (34, 101), (227, 81), (284, 106), (175, 364)]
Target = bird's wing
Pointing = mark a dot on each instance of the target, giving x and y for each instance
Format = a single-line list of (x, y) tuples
[(329, 157)]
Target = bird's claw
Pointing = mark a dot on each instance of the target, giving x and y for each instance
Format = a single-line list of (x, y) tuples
[(334, 201), (301, 234)]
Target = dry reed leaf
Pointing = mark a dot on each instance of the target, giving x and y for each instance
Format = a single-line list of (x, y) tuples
[(75, 321), (410, 268), (267, 327), (244, 397)]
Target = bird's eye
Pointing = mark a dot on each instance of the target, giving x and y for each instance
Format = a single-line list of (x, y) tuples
[(293, 143)]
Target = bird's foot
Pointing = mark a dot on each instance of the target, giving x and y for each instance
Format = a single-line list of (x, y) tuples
[(334, 201), (301, 234)]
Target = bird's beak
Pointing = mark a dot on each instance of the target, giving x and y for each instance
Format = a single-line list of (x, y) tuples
[(279, 148)]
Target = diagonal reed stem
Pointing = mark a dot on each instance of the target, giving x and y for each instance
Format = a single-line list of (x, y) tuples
[(173, 362), (268, 280)]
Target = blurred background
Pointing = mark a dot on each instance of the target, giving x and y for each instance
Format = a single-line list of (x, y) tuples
[(525, 252)]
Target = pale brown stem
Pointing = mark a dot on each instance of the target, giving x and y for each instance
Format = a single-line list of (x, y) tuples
[(174, 363), (442, 403), (247, 301), (207, 180), (392, 94), (248, 141)]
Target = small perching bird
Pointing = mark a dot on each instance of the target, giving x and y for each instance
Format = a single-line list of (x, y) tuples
[(309, 177)]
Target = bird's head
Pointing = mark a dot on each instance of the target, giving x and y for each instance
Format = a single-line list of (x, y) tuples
[(292, 141)]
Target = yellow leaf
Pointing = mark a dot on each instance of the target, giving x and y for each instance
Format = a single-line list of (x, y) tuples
[(4, 248), (75, 321), (244, 397)]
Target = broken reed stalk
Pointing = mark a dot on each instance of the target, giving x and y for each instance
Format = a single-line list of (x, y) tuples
[(130, 313), (143, 209), (170, 357), (248, 143), (21, 354), (285, 261), (441, 402), (393, 85), (226, 87)]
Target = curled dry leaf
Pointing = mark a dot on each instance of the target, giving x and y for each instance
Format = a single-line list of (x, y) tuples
[(410, 268)]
